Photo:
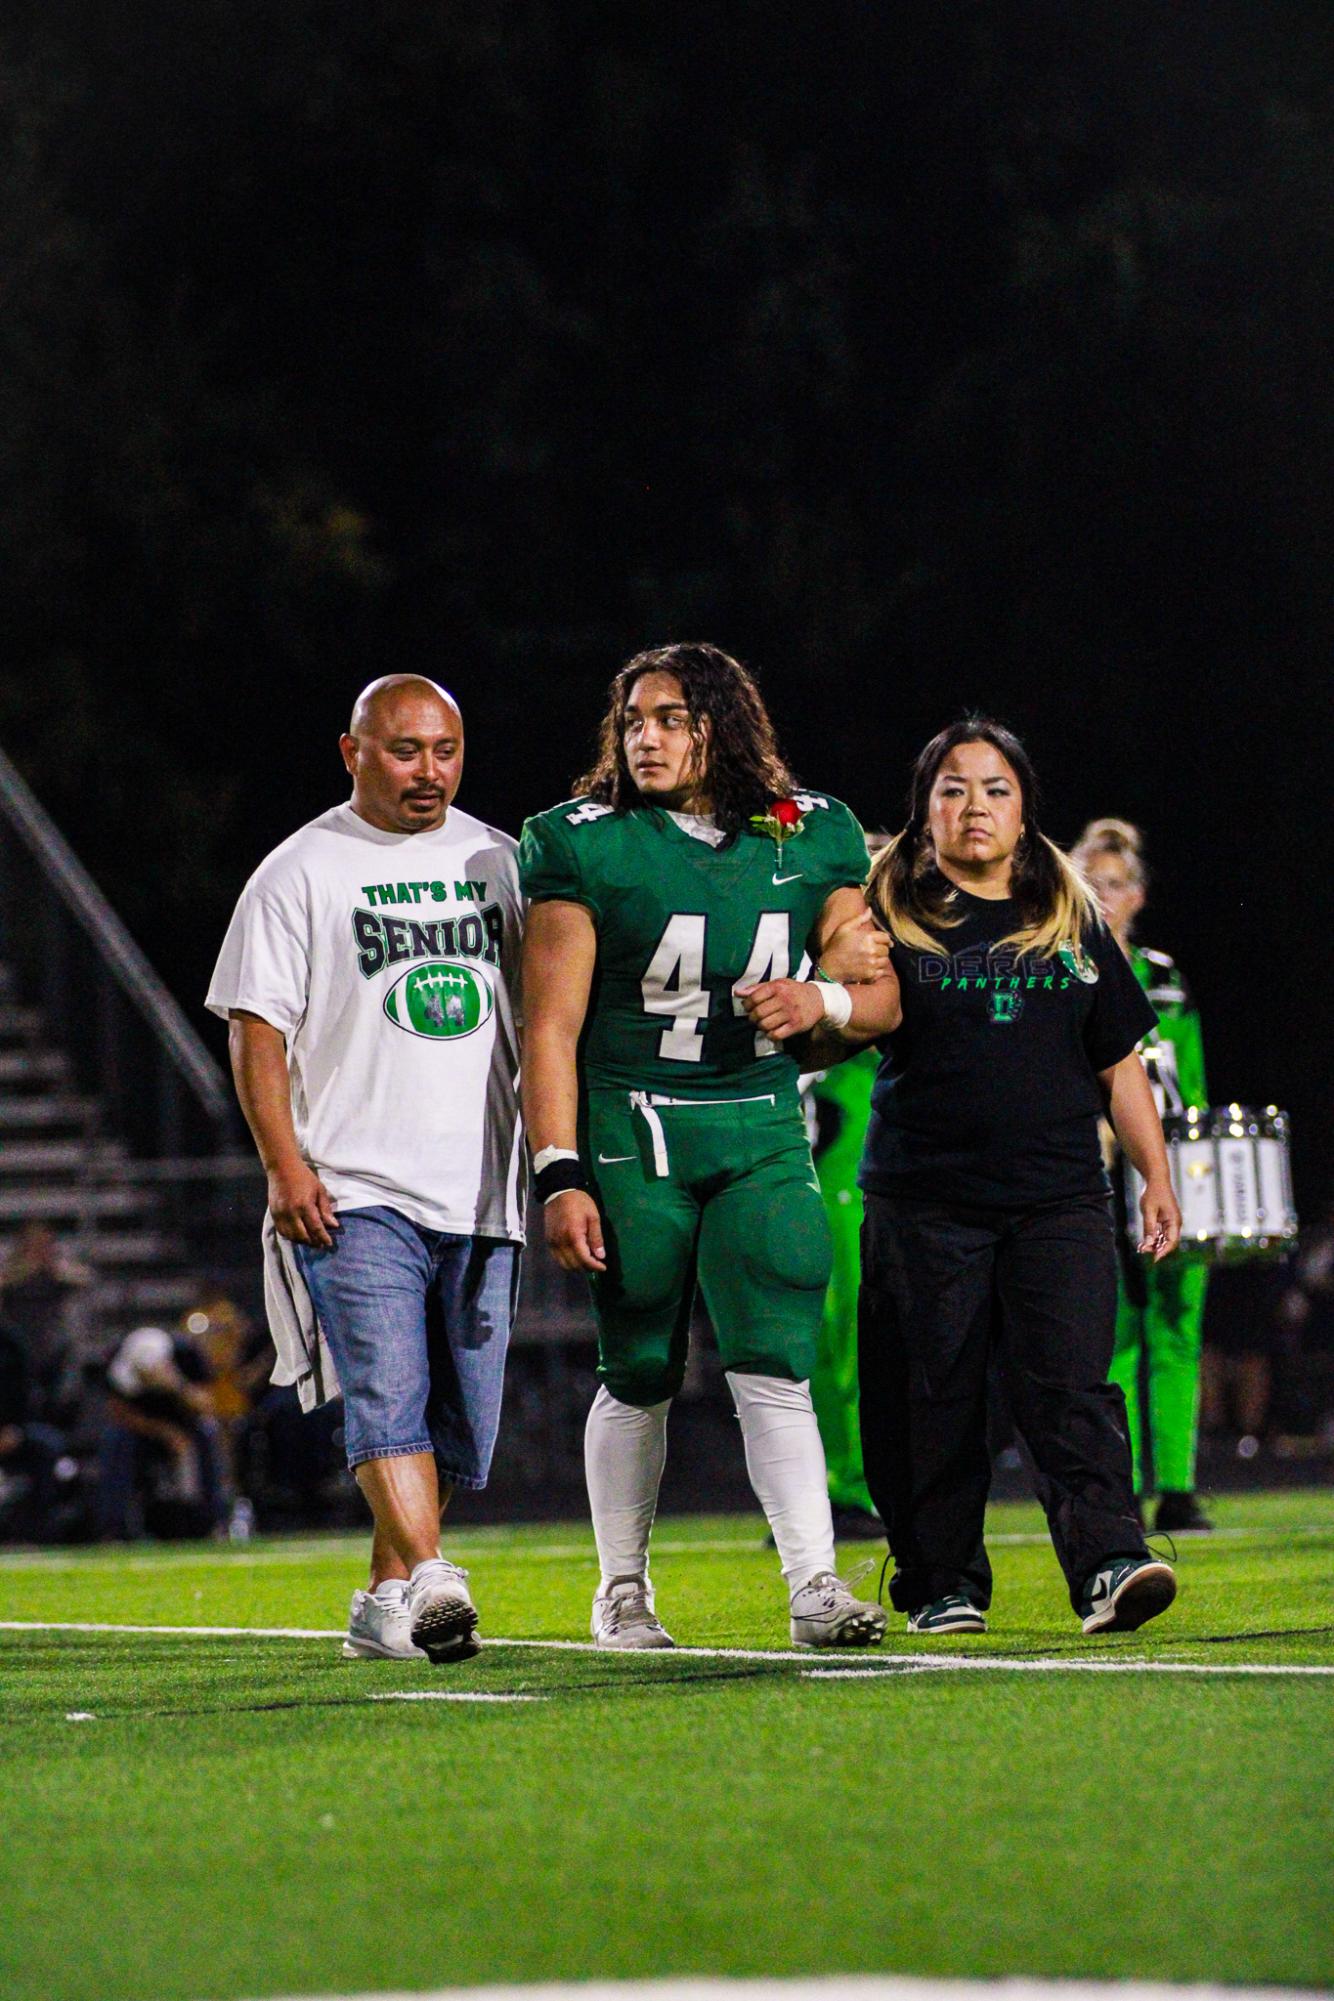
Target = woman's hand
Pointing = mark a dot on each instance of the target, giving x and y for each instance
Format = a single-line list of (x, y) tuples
[(857, 951), (574, 1231), (1162, 1219), (780, 1008)]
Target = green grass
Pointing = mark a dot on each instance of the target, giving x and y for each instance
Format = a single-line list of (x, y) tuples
[(238, 1818)]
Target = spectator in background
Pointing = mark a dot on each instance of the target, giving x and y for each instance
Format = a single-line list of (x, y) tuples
[(239, 1357), (34, 1465), (1269, 1352), (1304, 1340), (39, 1285), (160, 1432)]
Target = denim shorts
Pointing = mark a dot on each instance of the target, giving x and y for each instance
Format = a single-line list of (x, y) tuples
[(418, 1323)]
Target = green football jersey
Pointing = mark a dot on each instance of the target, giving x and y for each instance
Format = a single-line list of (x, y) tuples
[(680, 926)]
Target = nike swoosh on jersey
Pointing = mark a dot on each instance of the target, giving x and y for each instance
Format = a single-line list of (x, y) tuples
[(615, 1159), (787, 878)]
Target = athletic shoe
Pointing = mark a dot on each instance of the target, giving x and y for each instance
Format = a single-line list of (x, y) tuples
[(623, 1617), (954, 1614), (1126, 1593), (1178, 1511), (441, 1614), (378, 1626), (825, 1614)]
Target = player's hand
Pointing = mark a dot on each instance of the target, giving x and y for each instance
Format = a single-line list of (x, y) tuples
[(574, 1231), (857, 952), (780, 1008), (1162, 1220), (301, 1206)]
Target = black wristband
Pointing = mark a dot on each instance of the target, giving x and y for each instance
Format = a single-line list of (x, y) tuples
[(556, 1178)]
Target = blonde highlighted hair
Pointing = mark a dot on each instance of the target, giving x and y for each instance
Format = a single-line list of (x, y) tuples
[(915, 902), (1112, 837)]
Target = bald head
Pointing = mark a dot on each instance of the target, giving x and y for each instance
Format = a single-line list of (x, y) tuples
[(377, 698), (404, 749)]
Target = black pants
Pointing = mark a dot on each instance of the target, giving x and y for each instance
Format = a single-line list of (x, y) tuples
[(943, 1288)]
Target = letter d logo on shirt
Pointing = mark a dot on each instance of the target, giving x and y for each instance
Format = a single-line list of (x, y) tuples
[(441, 1000)]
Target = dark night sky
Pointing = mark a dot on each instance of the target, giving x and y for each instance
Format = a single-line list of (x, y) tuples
[(922, 357)]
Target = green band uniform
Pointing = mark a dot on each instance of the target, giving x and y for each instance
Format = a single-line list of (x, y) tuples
[(843, 1109), (691, 1134), (1160, 1308)]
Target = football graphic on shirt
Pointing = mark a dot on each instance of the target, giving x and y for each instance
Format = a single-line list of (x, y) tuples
[(441, 1000)]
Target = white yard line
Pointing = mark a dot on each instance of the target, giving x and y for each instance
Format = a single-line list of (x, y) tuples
[(449, 1695), (870, 1666), (844, 1987)]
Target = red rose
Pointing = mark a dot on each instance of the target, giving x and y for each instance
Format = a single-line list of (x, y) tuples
[(786, 812)]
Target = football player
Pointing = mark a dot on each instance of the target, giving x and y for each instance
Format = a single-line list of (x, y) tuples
[(667, 1138)]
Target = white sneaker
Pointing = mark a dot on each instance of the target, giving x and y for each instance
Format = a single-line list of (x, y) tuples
[(623, 1617), (825, 1614), (441, 1614), (378, 1627)]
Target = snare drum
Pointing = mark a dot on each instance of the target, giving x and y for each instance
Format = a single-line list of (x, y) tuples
[(1231, 1173)]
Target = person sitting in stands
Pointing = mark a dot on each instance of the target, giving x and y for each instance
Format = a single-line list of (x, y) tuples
[(159, 1426), (39, 1285), (34, 1463)]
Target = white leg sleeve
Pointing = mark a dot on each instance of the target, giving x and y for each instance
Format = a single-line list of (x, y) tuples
[(625, 1449), (785, 1461)]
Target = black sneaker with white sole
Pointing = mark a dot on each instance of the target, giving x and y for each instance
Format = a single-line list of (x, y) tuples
[(1126, 1593), (954, 1614)]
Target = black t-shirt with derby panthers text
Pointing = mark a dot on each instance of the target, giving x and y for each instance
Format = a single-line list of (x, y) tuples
[(988, 1092)]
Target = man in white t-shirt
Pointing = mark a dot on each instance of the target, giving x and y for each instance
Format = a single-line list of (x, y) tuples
[(370, 977)]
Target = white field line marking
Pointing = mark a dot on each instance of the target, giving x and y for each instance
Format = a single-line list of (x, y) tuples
[(449, 1695), (847, 1987), (80, 1716), (479, 1542), (875, 1665)]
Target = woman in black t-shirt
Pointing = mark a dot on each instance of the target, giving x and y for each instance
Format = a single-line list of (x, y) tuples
[(1008, 1025)]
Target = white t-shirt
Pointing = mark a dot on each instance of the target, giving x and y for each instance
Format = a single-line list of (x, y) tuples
[(390, 962), (140, 1360)]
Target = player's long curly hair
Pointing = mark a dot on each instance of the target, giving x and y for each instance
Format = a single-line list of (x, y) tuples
[(914, 900), (745, 769)]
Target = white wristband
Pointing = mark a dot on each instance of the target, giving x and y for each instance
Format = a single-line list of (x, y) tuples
[(550, 1153), (837, 1003)]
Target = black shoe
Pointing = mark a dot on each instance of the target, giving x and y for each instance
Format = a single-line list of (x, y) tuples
[(955, 1614), (1180, 1511), (1126, 1593), (857, 1525)]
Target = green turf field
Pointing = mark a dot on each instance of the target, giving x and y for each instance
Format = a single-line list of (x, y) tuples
[(239, 1815)]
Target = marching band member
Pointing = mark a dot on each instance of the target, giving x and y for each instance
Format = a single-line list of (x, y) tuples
[(1160, 1311)]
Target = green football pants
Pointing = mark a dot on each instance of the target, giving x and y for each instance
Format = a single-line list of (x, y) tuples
[(1162, 1340), (723, 1194), (834, 1378)]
